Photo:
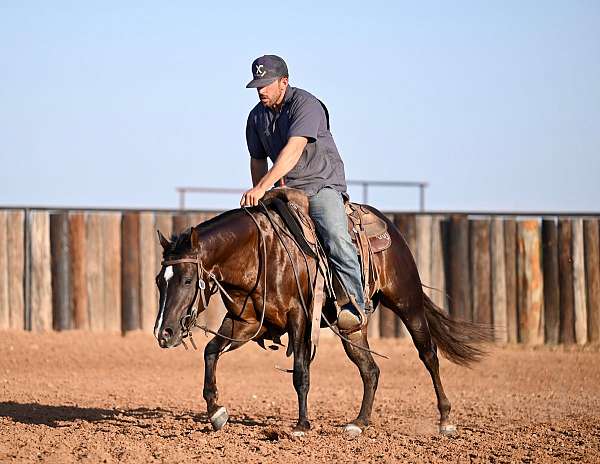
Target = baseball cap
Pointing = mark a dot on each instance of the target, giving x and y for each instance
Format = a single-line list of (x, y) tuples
[(267, 69)]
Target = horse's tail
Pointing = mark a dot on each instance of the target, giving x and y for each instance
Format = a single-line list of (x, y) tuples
[(457, 340)]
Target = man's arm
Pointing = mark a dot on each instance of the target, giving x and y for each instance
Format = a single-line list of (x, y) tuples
[(258, 169), (287, 159)]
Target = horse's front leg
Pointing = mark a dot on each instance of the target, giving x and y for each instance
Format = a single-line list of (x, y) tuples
[(301, 380), (232, 329)]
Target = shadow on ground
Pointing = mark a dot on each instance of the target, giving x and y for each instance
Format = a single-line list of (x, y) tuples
[(56, 416)]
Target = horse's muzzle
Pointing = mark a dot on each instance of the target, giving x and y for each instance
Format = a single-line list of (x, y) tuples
[(166, 338)]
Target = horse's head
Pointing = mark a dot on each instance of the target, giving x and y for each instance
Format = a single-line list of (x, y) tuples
[(177, 283)]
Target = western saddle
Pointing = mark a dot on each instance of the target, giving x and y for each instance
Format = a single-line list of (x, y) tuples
[(368, 232)]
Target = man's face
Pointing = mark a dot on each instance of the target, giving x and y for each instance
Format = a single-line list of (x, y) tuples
[(272, 94)]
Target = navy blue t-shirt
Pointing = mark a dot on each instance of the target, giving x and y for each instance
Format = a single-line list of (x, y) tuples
[(301, 114)]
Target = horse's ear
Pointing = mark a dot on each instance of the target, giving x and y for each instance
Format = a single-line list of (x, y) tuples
[(195, 239), (163, 241)]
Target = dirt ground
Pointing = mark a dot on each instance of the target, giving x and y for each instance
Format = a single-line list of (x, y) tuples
[(105, 398)]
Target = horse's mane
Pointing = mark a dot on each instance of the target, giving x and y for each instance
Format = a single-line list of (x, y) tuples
[(181, 243)]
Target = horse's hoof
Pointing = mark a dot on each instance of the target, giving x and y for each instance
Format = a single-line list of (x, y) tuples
[(297, 433), (448, 429), (352, 430), (219, 418)]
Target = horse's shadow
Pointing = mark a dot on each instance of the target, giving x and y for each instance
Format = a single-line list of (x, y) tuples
[(58, 416)]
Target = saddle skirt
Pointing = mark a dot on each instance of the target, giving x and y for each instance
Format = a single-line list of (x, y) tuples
[(367, 230)]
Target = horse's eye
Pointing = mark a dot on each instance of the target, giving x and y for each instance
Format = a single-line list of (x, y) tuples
[(187, 281)]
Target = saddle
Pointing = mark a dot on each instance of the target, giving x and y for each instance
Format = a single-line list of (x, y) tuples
[(367, 230)]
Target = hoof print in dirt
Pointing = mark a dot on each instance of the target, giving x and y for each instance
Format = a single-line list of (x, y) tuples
[(448, 430), (352, 430), (219, 418)]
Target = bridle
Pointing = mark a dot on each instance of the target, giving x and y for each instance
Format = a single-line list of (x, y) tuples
[(189, 320)]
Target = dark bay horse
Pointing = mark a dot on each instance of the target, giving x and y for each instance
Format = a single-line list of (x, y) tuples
[(264, 283)]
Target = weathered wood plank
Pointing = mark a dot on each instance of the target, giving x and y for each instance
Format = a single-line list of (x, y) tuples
[(61, 275), (94, 263), (459, 273), (438, 274), (148, 271), (79, 291), (592, 274), (423, 223), (15, 233), (567, 297), (41, 276), (530, 283), (551, 281), (111, 265), (480, 268), (407, 225), (131, 271), (579, 283), (510, 258), (4, 272), (498, 279)]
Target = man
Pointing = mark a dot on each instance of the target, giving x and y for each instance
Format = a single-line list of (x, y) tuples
[(290, 126)]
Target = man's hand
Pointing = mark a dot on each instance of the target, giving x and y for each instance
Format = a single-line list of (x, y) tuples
[(251, 197)]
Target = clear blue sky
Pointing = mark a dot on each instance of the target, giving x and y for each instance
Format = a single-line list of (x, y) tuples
[(496, 104)]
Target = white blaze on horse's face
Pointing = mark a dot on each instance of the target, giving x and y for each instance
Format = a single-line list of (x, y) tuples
[(167, 275)]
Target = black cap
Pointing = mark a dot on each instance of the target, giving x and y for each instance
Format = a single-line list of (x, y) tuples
[(267, 69)]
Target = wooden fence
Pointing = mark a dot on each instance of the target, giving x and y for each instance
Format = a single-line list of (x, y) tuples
[(535, 278)]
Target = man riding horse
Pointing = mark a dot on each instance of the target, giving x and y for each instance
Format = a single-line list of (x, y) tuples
[(291, 127)]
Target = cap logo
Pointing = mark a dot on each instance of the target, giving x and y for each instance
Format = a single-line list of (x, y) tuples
[(260, 72)]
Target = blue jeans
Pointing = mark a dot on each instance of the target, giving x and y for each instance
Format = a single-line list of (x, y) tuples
[(327, 212)]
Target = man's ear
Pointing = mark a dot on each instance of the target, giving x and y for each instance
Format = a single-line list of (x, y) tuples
[(163, 241), (195, 239)]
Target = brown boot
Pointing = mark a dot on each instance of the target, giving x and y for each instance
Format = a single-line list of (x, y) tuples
[(351, 317)]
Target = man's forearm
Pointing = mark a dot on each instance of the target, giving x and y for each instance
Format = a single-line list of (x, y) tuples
[(258, 169), (287, 159)]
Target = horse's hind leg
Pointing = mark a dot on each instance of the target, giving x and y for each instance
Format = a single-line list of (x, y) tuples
[(417, 325), (234, 329), (369, 372)]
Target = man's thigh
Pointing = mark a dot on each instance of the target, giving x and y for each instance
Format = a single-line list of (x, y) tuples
[(327, 211)]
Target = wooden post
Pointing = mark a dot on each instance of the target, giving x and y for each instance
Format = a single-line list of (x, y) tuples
[(94, 263), (79, 294), (15, 234), (111, 265), (423, 223), (164, 223), (41, 277), (407, 225), (530, 284), (61, 287), (480, 266), (180, 223), (551, 281), (131, 272), (374, 331), (510, 259), (148, 271), (498, 279), (579, 283), (592, 274), (438, 275), (565, 266), (459, 276), (4, 272)]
